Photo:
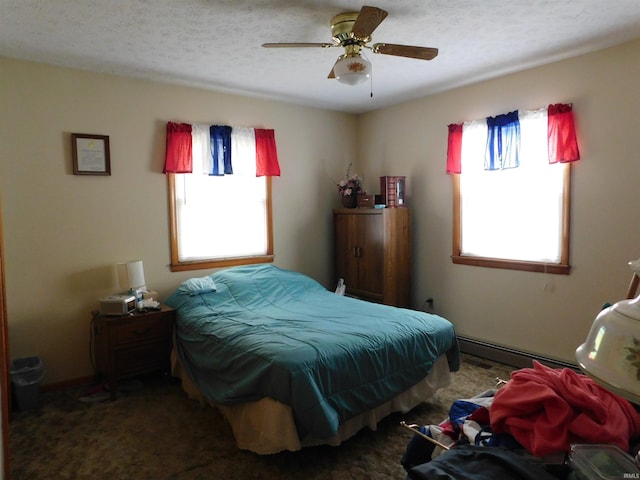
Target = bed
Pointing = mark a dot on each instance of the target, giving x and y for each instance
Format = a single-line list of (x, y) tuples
[(291, 364)]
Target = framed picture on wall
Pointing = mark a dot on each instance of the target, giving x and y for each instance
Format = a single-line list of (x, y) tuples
[(90, 154)]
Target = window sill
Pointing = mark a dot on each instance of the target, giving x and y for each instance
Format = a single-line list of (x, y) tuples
[(220, 263), (555, 268)]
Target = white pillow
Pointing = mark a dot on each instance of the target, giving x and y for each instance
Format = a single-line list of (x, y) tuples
[(196, 286)]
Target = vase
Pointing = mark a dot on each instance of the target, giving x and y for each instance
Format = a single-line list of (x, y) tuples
[(349, 201)]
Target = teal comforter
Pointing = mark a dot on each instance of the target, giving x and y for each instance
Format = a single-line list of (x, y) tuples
[(270, 332)]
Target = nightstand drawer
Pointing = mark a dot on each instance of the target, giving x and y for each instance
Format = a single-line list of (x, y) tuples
[(142, 329), (142, 358)]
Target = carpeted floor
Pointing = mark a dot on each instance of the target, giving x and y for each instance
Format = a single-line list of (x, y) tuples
[(156, 432)]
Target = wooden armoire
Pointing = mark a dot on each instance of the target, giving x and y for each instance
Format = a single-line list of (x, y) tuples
[(373, 253)]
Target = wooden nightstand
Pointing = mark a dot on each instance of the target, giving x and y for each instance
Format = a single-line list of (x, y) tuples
[(133, 344)]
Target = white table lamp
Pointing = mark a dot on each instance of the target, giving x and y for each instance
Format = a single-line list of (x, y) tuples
[(131, 275)]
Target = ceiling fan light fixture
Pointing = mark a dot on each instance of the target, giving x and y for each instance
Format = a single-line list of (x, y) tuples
[(352, 69)]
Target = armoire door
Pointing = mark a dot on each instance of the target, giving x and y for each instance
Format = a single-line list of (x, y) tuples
[(346, 241), (370, 256)]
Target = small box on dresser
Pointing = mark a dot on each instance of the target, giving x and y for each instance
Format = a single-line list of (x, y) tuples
[(365, 201), (133, 344)]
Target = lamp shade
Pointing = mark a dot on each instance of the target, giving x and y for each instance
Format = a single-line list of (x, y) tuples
[(352, 69), (611, 353), (131, 275)]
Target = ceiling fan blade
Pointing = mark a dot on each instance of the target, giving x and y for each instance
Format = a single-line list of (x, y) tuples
[(297, 45), (332, 73), (368, 20), (421, 53)]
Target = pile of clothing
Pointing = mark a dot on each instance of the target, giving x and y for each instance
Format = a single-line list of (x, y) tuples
[(536, 415)]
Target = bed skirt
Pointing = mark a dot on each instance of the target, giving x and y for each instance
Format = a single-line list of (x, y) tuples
[(267, 426)]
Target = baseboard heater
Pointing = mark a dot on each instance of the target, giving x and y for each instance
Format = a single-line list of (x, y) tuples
[(509, 356)]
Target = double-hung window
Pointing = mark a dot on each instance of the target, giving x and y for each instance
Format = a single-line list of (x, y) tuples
[(511, 203), (219, 221)]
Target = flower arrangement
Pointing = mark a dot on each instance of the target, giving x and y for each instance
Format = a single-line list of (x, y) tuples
[(351, 185)]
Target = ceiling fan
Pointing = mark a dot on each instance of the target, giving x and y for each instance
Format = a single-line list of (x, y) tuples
[(352, 31)]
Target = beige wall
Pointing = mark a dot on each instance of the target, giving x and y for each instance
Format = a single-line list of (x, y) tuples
[(64, 233), (540, 313)]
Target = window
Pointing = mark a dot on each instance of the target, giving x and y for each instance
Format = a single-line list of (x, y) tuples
[(219, 221), (515, 216), (219, 207)]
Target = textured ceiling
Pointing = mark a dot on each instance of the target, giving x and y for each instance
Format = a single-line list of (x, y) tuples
[(217, 44)]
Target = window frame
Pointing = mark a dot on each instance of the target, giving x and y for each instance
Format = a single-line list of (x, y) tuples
[(561, 268), (180, 266)]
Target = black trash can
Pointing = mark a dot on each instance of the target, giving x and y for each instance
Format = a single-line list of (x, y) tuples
[(26, 375)]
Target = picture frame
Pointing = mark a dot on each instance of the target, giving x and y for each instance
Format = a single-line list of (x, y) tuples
[(90, 154)]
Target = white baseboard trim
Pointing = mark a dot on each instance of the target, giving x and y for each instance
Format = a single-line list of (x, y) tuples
[(509, 356)]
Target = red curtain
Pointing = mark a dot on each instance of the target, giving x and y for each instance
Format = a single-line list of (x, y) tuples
[(266, 154), (178, 157), (561, 132), (454, 149)]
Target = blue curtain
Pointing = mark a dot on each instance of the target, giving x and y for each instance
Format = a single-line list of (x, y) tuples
[(221, 149), (503, 142)]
